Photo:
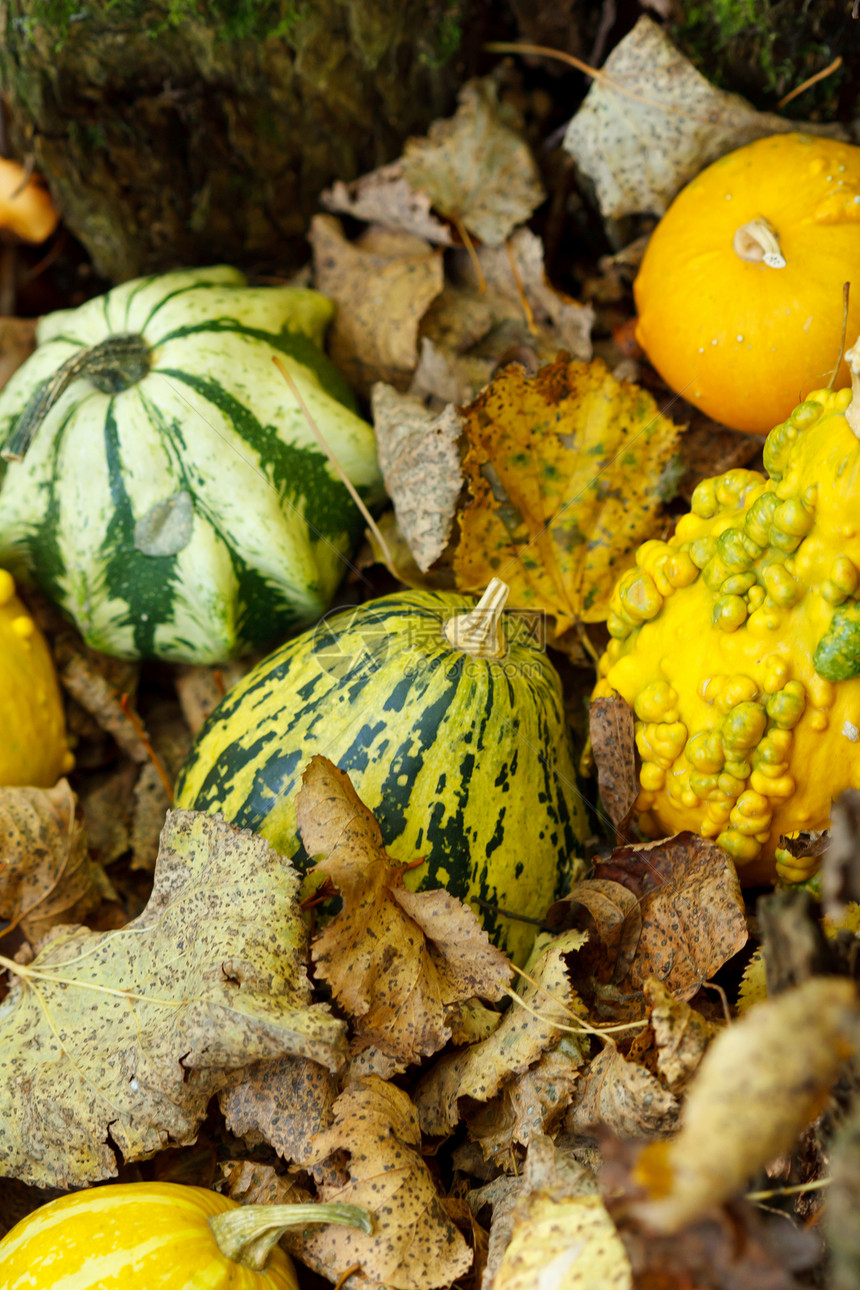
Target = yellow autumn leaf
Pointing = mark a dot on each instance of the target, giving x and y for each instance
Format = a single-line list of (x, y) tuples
[(567, 471)]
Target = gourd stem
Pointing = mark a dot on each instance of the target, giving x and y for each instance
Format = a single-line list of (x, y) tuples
[(248, 1235), (757, 242), (112, 365), (480, 632), (852, 412)]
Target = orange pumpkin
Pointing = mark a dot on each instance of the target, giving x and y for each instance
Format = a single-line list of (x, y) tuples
[(740, 291)]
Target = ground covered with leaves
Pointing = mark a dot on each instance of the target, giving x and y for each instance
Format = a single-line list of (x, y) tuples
[(665, 1094)]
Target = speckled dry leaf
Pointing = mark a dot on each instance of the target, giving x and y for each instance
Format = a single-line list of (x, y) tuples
[(17, 342), (398, 559), (384, 197), (650, 122), (680, 1033), (420, 462), (525, 1033), (565, 472), (501, 1196), (761, 1082), (121, 1038), (610, 727), (284, 1103), (693, 917), (254, 1184), (98, 683), (471, 1022), (624, 1097), (382, 285), (476, 167), (529, 1104), (414, 1245), (617, 918), (562, 1237), (46, 874), (396, 960), (445, 377)]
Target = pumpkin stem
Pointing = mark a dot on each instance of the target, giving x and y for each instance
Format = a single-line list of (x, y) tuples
[(112, 365), (852, 412), (248, 1235), (757, 241), (479, 632)]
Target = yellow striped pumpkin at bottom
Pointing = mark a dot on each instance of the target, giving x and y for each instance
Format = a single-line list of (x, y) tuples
[(158, 1236)]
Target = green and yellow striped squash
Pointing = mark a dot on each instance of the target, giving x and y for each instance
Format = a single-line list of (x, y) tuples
[(158, 1236), (163, 484), (464, 760)]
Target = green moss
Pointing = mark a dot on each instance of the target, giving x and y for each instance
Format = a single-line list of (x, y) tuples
[(231, 19)]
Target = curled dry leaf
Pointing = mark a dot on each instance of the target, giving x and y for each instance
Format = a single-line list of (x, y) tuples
[(476, 168), (98, 684), (420, 462), (285, 1103), (692, 910), (610, 728), (565, 473), (761, 1081), (617, 920), (624, 1097), (414, 1245), (382, 285), (528, 1030), (46, 874), (121, 1038), (650, 122), (681, 1035), (561, 1234), (396, 960), (255, 1184), (384, 196)]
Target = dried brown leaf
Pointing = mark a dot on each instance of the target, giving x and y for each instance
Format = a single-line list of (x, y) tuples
[(255, 1184), (382, 286), (527, 1031), (46, 874), (121, 1038), (610, 726), (651, 122), (476, 167), (396, 960), (384, 196), (680, 1033), (693, 917), (285, 1103), (200, 689), (761, 1081), (624, 1097), (420, 462), (107, 807), (414, 1245), (616, 916), (98, 683)]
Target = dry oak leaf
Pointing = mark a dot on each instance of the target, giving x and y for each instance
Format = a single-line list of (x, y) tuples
[(548, 1009), (121, 1038), (396, 960), (624, 1097), (382, 285), (476, 168), (760, 1083), (692, 909), (562, 1237), (420, 463), (414, 1245), (46, 874), (566, 471), (650, 122)]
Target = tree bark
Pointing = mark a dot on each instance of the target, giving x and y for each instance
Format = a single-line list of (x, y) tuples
[(168, 143)]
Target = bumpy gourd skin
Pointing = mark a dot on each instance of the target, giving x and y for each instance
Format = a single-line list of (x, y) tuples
[(736, 644), (33, 748)]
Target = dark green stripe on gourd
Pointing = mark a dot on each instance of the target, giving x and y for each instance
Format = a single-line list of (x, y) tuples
[(465, 760), (163, 485)]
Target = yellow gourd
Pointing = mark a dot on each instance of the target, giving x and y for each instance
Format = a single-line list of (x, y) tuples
[(737, 643), (158, 1236), (33, 748), (740, 291)]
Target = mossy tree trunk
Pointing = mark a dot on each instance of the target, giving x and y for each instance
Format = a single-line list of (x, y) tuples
[(179, 132)]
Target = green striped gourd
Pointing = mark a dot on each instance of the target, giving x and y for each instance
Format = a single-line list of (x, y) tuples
[(163, 484), (451, 727)]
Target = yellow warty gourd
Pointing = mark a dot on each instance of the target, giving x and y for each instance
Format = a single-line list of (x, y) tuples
[(33, 748), (737, 643)]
